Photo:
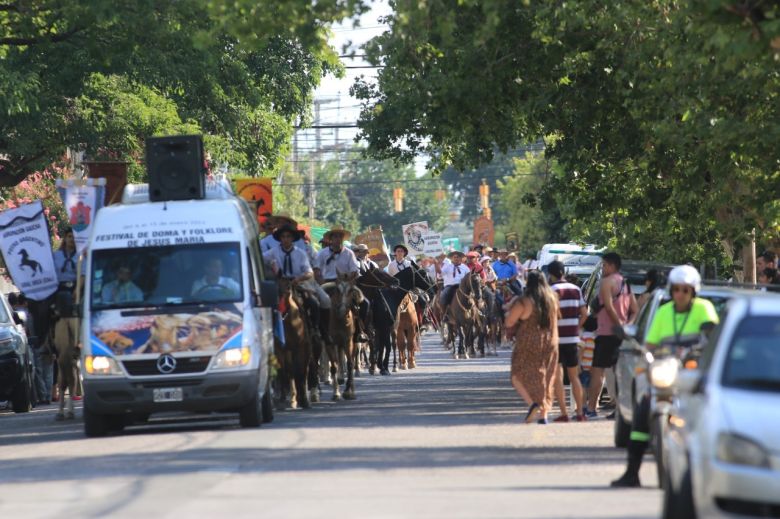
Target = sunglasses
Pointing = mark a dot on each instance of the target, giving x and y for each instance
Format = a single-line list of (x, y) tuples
[(683, 289)]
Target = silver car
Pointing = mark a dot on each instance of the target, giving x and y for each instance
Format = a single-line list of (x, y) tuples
[(722, 449), (630, 372)]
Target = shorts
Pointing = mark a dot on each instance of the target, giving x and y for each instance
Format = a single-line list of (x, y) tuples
[(605, 355), (567, 355)]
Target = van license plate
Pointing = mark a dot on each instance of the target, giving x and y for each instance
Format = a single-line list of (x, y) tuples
[(168, 394)]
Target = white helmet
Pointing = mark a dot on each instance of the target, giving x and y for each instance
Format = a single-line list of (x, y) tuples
[(685, 275)]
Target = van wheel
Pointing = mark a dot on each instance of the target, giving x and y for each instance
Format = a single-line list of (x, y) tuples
[(268, 404), (21, 399), (95, 425), (622, 429), (251, 415)]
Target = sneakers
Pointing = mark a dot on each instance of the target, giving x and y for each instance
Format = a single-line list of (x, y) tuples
[(589, 414), (610, 416)]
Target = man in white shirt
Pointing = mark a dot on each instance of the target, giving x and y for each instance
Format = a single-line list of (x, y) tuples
[(365, 264), (336, 259), (272, 224), (452, 273), (400, 261), (530, 264), (214, 284)]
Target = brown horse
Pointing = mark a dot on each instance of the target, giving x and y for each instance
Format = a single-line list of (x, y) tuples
[(407, 332), (463, 315), (296, 356), (345, 298)]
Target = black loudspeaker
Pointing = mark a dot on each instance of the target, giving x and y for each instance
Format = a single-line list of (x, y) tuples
[(176, 168)]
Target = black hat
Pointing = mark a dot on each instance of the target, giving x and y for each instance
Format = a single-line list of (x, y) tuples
[(401, 246), (297, 235)]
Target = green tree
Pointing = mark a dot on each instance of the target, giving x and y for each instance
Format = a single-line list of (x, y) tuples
[(245, 94), (662, 115)]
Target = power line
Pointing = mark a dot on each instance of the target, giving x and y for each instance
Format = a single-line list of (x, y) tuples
[(402, 181)]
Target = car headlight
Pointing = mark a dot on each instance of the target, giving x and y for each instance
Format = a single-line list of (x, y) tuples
[(101, 365), (739, 450), (233, 358), (663, 372), (8, 345)]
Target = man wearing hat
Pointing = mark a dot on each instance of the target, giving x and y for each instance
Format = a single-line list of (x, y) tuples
[(506, 272), (401, 260), (365, 264), (273, 223), (335, 260), (452, 273), (472, 262), (290, 262)]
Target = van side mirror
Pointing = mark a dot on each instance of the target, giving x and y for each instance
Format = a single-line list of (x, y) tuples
[(269, 294)]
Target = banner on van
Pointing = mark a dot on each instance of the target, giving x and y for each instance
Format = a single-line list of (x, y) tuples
[(165, 333), (414, 237), (82, 199), (259, 193), (26, 248)]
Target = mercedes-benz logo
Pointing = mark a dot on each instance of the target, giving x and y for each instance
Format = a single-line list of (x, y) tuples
[(166, 364)]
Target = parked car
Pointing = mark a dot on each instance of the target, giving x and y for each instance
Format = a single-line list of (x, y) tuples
[(16, 360), (631, 368), (722, 449)]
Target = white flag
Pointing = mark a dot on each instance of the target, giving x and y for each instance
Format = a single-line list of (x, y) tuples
[(26, 248)]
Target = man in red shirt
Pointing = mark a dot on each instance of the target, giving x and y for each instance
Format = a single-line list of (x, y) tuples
[(472, 262)]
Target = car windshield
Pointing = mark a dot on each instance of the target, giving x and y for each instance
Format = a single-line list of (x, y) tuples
[(154, 276), (753, 360)]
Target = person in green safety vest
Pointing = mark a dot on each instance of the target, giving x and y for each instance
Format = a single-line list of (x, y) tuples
[(676, 321)]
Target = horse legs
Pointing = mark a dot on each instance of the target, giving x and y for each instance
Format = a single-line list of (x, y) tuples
[(413, 349), (400, 339), (395, 351), (349, 388)]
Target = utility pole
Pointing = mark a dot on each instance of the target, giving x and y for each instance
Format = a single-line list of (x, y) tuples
[(318, 153)]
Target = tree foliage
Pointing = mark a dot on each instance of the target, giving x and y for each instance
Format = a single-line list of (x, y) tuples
[(662, 115), (65, 65)]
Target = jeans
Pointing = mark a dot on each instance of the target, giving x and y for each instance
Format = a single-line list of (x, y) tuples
[(44, 373)]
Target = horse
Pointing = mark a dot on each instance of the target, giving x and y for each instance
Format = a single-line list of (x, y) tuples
[(66, 344), (490, 319), (27, 262), (407, 332), (296, 357), (384, 302), (414, 280), (345, 298), (463, 314)]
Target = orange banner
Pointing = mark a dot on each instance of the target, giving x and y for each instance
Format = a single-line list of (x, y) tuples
[(484, 233), (259, 193)]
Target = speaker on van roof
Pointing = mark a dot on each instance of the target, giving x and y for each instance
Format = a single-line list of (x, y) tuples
[(176, 168)]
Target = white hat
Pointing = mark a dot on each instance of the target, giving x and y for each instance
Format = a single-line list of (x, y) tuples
[(485, 258)]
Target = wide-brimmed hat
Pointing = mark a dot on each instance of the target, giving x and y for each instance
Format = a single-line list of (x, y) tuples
[(278, 220), (360, 247), (502, 251), (483, 259), (297, 234), (338, 230), (401, 246), (455, 253), (472, 254)]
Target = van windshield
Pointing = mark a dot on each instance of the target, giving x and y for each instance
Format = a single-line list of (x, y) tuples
[(171, 275)]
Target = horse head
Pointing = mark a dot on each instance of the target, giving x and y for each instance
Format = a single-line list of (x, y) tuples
[(345, 295)]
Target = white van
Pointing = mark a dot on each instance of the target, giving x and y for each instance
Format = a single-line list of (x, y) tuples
[(566, 253), (177, 315)]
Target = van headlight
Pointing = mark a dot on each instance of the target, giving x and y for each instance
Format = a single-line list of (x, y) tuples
[(739, 450), (101, 365), (663, 372), (233, 358)]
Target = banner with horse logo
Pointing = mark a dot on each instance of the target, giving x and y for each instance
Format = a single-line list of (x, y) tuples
[(82, 199), (258, 192), (414, 237), (24, 242)]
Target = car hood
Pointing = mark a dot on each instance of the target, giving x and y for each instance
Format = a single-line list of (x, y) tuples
[(751, 414)]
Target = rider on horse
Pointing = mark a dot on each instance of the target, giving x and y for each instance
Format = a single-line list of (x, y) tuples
[(401, 261), (452, 272), (506, 272), (365, 264)]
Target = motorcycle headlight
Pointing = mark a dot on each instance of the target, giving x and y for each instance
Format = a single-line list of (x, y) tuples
[(101, 365), (739, 450), (233, 358), (663, 372)]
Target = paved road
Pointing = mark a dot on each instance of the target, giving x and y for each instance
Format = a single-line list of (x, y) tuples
[(444, 440)]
